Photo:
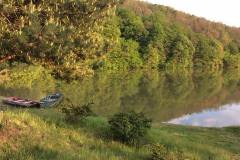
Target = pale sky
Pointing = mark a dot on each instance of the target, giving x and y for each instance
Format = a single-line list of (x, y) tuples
[(225, 11), (227, 115)]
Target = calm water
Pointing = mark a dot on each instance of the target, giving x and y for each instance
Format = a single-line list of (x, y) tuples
[(203, 99), (227, 115)]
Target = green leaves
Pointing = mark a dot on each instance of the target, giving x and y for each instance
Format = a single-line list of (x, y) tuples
[(129, 127), (231, 60), (50, 30), (181, 52), (73, 113), (209, 53), (77, 33), (131, 25)]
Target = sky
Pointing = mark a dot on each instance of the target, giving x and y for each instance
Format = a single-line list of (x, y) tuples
[(225, 116), (224, 11)]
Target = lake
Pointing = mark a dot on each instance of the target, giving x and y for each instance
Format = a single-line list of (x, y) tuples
[(183, 98)]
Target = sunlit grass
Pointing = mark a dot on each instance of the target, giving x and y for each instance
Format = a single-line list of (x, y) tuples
[(43, 134), (36, 138)]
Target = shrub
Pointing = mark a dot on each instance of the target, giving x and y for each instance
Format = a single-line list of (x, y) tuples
[(129, 127), (160, 152), (75, 113)]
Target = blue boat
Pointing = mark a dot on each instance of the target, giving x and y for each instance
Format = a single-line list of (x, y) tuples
[(51, 100)]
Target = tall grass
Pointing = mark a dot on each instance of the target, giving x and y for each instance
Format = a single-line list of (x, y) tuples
[(43, 134)]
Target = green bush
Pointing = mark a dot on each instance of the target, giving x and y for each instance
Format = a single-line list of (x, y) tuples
[(129, 127), (74, 113), (160, 152)]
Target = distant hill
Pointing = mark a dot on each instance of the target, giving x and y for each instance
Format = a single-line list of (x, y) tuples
[(219, 31), (206, 37)]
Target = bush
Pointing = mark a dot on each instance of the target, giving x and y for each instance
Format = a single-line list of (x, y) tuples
[(129, 127), (160, 152), (74, 113)]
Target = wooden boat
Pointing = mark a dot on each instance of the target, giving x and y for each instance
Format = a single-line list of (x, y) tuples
[(51, 100), (20, 102)]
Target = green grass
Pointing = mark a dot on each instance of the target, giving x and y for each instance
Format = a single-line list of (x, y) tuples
[(44, 135)]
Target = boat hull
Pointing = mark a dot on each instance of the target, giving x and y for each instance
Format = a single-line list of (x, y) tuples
[(51, 100), (19, 102)]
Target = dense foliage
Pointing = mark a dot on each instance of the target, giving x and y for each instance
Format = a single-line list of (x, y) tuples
[(110, 34), (129, 127), (176, 39), (160, 152), (59, 32)]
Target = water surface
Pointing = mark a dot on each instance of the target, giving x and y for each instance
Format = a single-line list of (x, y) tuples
[(227, 115), (201, 99)]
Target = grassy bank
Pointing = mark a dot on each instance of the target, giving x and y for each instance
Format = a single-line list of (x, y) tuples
[(27, 135)]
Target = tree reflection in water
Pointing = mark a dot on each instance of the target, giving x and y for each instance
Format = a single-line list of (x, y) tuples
[(161, 95)]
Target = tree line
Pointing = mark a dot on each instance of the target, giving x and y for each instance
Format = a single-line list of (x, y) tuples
[(113, 34)]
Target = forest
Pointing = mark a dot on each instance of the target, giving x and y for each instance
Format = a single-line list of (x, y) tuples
[(82, 36)]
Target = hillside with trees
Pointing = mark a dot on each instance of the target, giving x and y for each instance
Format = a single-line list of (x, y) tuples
[(82, 36)]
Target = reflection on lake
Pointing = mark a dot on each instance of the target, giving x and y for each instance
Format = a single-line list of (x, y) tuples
[(162, 96), (227, 115)]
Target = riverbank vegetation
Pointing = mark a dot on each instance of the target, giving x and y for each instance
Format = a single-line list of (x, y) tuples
[(76, 37), (53, 138)]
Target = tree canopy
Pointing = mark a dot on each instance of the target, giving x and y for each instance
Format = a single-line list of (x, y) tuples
[(113, 34)]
